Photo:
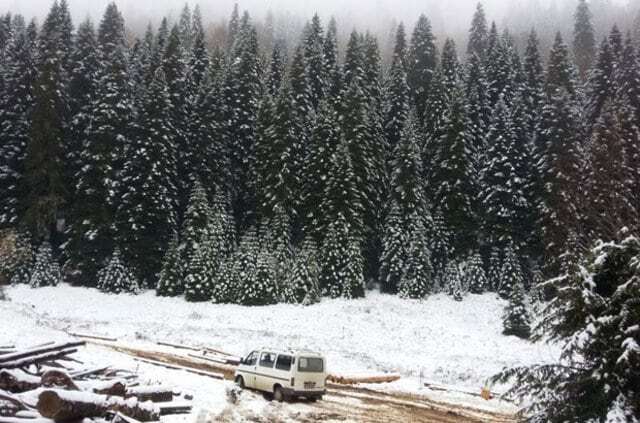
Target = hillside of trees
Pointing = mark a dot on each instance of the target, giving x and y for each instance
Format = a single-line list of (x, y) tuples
[(224, 174)]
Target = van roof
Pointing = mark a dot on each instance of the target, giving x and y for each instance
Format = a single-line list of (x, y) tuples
[(292, 351)]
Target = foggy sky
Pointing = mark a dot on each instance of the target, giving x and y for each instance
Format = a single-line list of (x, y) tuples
[(446, 15)]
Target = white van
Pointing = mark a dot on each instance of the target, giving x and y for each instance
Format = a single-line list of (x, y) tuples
[(286, 374)]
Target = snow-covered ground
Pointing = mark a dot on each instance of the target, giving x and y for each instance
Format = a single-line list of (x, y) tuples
[(437, 340)]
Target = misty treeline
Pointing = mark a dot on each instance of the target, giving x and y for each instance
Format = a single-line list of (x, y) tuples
[(225, 174)]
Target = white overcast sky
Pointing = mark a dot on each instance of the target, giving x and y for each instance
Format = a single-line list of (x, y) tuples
[(450, 14)]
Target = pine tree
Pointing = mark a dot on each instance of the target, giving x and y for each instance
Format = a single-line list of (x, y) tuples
[(341, 264), (478, 34), (45, 271), (474, 276), (233, 28), (116, 278), (241, 93), (440, 247), (394, 254), (104, 143), (510, 274), (451, 177), (198, 278), (277, 68), (323, 146), (170, 280), (593, 318), (416, 281), (313, 54), (302, 281), (199, 54), (195, 226), (16, 101), (397, 98), (44, 168), (372, 75), (221, 243), (422, 61), (584, 41), (453, 280), (516, 320), (331, 66), (561, 73), (503, 192), (602, 83), (610, 201), (146, 216)]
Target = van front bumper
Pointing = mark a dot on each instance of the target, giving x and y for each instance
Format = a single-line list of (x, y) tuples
[(307, 394)]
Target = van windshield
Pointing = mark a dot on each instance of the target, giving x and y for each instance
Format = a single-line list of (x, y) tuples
[(310, 365)]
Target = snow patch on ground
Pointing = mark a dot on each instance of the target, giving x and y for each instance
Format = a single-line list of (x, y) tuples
[(437, 340)]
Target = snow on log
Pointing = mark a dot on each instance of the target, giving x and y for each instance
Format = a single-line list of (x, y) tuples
[(178, 346), (39, 350), (183, 368), (62, 405), (79, 374), (153, 393), (16, 381), (352, 379), (35, 359), (174, 408), (104, 387), (89, 336)]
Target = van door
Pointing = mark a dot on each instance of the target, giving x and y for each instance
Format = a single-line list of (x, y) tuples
[(264, 372), (283, 370), (250, 366)]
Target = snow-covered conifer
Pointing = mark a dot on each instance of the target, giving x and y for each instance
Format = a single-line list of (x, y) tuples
[(516, 320), (474, 276), (394, 253), (510, 274), (417, 277), (170, 282), (198, 278), (45, 271), (302, 284), (116, 277)]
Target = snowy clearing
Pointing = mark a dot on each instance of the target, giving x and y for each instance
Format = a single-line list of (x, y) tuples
[(450, 343)]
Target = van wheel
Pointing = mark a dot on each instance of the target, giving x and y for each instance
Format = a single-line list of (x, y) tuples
[(240, 382), (278, 394)]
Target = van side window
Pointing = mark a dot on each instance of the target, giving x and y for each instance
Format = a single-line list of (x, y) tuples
[(267, 359), (283, 362), (251, 359)]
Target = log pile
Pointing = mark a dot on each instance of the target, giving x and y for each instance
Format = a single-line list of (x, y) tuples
[(354, 379), (39, 385)]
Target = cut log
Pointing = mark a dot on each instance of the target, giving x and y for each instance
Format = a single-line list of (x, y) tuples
[(104, 387), (39, 351), (175, 408), (153, 393), (484, 393), (45, 357), (69, 405), (88, 336), (183, 368), (178, 346), (79, 374), (58, 379), (121, 418), (17, 381), (363, 378)]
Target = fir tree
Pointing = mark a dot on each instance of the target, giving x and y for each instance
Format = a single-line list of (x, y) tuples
[(372, 75), (331, 66), (277, 69), (416, 281), (453, 280), (593, 318), (313, 54), (241, 94), (341, 264), (394, 254), (561, 73), (478, 34), (45, 271), (397, 99), (198, 278), (195, 227), (116, 277), (584, 41), (302, 281), (16, 101), (440, 247), (451, 178), (170, 280), (103, 145), (474, 276), (510, 274), (147, 212), (602, 83), (199, 54), (323, 145), (516, 320), (422, 60), (17, 262)]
